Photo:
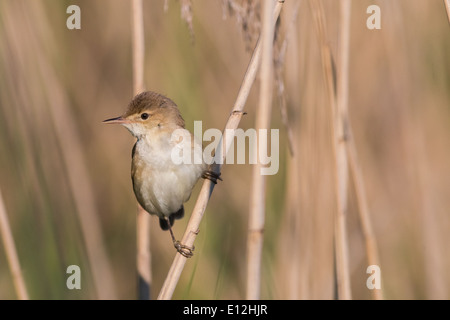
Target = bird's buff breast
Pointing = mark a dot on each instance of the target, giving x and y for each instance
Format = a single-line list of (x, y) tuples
[(161, 186)]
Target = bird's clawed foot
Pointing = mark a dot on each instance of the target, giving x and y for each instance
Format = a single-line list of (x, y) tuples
[(211, 175), (184, 250)]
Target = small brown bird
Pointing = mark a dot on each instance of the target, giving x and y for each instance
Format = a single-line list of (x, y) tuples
[(162, 185)]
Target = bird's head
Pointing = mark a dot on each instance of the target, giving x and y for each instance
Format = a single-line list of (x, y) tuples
[(147, 112)]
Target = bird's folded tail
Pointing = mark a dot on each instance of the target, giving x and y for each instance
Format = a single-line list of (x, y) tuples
[(164, 223)]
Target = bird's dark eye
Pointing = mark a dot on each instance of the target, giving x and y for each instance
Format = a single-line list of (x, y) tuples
[(144, 116)]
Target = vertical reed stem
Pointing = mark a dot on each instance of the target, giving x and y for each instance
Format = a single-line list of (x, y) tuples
[(341, 122), (354, 167), (143, 218), (338, 125), (258, 194), (447, 8), (11, 253)]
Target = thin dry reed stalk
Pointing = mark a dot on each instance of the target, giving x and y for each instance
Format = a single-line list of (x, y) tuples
[(258, 191), (138, 46), (143, 256), (354, 167), (293, 233), (279, 63), (11, 253), (292, 204), (363, 210), (207, 188), (339, 152), (447, 8), (340, 138)]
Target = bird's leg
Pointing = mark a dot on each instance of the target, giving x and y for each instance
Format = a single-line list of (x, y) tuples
[(184, 250), (211, 175)]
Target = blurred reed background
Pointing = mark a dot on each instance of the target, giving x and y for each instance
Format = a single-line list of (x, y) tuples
[(65, 177)]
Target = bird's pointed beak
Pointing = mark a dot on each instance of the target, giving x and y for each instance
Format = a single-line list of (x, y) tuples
[(118, 120)]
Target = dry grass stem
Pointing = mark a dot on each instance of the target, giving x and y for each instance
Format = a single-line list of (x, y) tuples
[(280, 54), (186, 15), (447, 8), (11, 253), (144, 262), (258, 191), (166, 5), (207, 188), (363, 210), (138, 46), (340, 155), (143, 256), (354, 167)]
